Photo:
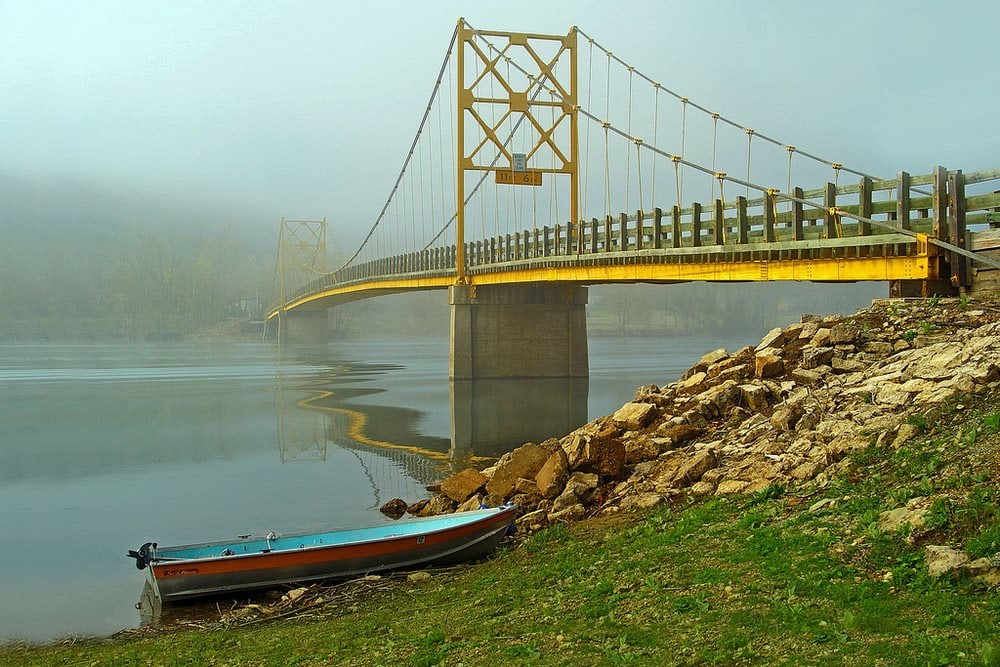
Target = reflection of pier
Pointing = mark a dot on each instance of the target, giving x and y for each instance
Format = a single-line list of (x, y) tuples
[(488, 418), (300, 432), (491, 417)]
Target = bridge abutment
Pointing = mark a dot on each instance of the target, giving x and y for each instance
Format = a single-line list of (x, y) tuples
[(529, 330)]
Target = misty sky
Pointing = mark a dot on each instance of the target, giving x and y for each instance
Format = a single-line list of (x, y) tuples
[(305, 109)]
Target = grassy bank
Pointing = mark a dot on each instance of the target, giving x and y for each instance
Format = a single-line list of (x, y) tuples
[(799, 576)]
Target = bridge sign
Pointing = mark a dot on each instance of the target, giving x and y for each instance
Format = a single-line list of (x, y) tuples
[(511, 177)]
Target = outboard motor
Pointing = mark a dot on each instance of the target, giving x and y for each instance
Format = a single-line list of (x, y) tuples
[(143, 556)]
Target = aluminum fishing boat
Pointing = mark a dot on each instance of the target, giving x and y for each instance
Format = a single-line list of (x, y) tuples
[(248, 562)]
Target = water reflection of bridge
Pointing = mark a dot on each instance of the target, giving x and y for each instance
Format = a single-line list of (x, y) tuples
[(488, 418)]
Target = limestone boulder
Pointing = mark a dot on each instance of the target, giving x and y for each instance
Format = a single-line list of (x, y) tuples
[(602, 455), (552, 478), (806, 376), (416, 507), (754, 397), (942, 560), (710, 359), (842, 366), (581, 485), (437, 505), (815, 356), (772, 338), (682, 469), (842, 333), (634, 416), (473, 503), (730, 486), (786, 416), (821, 338), (394, 509), (681, 433), (768, 363), (524, 463), (904, 434), (574, 512), (642, 501), (463, 484), (641, 449), (914, 515), (694, 384)]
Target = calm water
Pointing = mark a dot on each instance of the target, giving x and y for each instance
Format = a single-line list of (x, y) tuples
[(103, 447)]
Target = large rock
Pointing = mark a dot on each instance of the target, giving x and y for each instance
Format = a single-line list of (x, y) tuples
[(722, 397), (772, 338), (524, 463), (437, 505), (843, 333), (914, 515), (693, 385), (905, 433), (682, 469), (641, 449), (785, 417), (473, 503), (581, 485), (943, 560), (602, 453), (681, 433), (463, 484), (634, 416), (551, 479), (394, 509), (710, 359), (606, 457), (813, 357), (807, 377), (754, 397), (768, 363)]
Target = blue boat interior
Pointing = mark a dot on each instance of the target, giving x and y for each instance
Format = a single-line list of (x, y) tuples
[(275, 543)]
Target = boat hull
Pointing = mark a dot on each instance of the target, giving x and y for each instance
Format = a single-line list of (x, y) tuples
[(182, 579)]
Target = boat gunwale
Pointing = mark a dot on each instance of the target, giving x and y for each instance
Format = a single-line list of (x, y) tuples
[(488, 513)]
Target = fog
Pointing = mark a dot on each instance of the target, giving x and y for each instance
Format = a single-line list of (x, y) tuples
[(220, 118)]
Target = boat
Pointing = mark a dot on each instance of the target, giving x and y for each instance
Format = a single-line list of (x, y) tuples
[(248, 562)]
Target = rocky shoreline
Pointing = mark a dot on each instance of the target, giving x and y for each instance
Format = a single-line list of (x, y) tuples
[(786, 412)]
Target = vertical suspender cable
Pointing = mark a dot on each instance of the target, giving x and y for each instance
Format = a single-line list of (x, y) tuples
[(628, 154), (590, 88), (607, 147), (656, 120), (715, 137), (680, 177), (788, 187)]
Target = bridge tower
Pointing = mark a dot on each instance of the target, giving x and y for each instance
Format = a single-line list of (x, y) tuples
[(302, 256), (535, 329)]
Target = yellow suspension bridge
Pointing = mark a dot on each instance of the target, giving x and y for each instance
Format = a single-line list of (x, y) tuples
[(545, 163)]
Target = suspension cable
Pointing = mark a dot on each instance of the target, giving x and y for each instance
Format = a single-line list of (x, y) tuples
[(708, 112)]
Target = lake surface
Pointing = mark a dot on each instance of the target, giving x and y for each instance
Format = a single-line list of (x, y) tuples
[(104, 447)]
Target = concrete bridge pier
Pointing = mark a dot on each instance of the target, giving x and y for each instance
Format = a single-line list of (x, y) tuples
[(303, 326), (530, 330)]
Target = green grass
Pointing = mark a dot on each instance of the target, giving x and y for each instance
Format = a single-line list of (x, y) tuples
[(749, 580)]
